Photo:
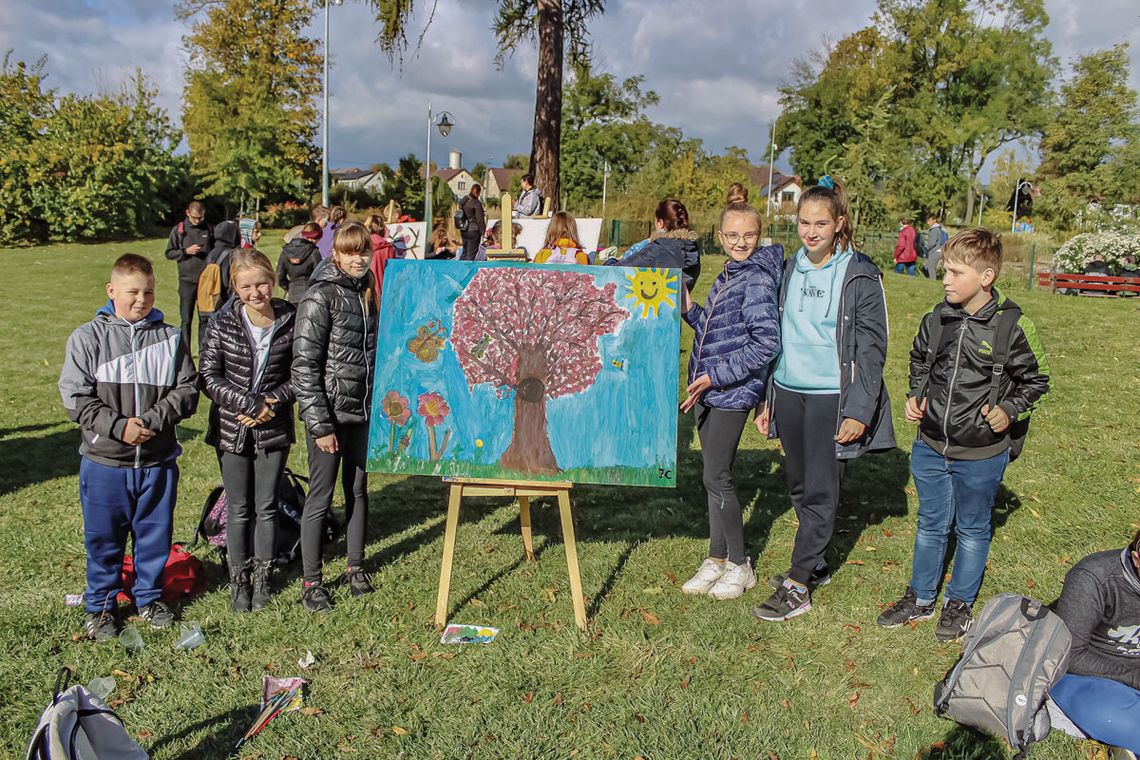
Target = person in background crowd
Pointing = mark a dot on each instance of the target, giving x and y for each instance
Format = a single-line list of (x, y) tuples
[(336, 217), (476, 222), (530, 202), (299, 258), (189, 243)]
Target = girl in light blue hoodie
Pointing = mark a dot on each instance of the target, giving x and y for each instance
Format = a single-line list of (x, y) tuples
[(826, 399)]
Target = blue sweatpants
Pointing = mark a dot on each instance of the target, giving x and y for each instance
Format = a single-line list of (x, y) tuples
[(1105, 710), (119, 502)]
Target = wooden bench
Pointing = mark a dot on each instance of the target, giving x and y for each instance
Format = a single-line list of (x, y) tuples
[(1089, 284)]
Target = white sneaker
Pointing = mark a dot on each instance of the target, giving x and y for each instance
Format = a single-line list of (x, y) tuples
[(707, 574), (736, 580)]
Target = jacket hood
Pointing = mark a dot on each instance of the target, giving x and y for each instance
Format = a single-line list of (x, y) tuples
[(327, 271), (283, 311), (226, 232), (299, 247), (681, 244), (107, 310), (998, 303), (768, 257), (1130, 572), (692, 235)]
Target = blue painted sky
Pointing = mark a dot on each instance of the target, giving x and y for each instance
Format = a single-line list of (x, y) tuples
[(627, 417)]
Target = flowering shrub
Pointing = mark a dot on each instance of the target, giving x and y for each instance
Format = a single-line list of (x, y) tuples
[(1120, 251)]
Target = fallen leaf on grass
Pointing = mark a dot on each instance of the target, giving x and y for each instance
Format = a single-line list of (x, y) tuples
[(550, 595), (1033, 512), (911, 705), (744, 718), (853, 700), (686, 680), (887, 533), (1029, 583), (692, 660), (672, 578), (583, 655), (144, 734), (122, 674), (650, 618), (311, 711), (850, 665), (786, 704), (854, 628), (528, 698), (558, 698), (444, 655), (772, 755), (418, 656), (653, 591), (791, 664), (856, 562), (639, 717), (399, 730), (478, 603)]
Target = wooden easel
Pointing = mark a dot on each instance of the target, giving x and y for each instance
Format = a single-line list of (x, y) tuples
[(506, 227), (524, 491)]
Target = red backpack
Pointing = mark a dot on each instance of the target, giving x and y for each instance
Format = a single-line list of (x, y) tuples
[(183, 578)]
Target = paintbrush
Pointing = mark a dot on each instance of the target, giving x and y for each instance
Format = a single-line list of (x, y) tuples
[(272, 707)]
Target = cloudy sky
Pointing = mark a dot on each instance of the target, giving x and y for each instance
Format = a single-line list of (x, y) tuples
[(716, 70)]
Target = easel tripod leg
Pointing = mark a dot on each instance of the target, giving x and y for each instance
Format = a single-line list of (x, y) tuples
[(524, 520), (453, 500), (572, 559)]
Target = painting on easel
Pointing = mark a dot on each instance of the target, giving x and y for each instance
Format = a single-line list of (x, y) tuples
[(513, 371)]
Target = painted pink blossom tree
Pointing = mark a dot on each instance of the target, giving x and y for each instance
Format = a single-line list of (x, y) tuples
[(533, 333)]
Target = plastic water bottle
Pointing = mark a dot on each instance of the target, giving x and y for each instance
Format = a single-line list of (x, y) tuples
[(102, 687)]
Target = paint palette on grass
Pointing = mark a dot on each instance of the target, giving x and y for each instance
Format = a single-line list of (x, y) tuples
[(513, 371)]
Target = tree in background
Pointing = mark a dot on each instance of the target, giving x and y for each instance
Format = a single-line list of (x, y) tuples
[(1090, 150), (605, 122), (25, 107), (558, 25), (81, 167), (249, 102), (965, 78), (516, 161)]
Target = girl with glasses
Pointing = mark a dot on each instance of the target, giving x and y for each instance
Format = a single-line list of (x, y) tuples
[(737, 337)]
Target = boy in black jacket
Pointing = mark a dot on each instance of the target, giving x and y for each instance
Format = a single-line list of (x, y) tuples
[(189, 244), (977, 370)]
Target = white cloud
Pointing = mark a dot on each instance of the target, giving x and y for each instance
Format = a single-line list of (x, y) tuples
[(716, 64)]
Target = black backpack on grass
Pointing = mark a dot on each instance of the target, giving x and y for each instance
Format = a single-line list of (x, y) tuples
[(290, 505)]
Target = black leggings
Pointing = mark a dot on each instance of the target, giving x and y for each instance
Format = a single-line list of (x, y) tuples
[(807, 424), (353, 454), (251, 484), (187, 303), (719, 431)]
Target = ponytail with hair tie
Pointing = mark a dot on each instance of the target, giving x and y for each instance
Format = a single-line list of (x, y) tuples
[(827, 182)]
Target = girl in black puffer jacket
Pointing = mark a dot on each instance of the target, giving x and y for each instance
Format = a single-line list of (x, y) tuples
[(246, 363), (333, 355)]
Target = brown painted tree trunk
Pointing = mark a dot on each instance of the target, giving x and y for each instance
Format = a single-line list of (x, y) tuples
[(530, 450), (546, 142)]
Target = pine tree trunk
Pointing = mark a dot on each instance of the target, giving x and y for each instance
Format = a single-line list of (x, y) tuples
[(545, 144), (530, 451)]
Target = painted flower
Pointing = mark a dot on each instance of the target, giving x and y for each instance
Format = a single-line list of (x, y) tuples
[(433, 408), (478, 443), (396, 408)]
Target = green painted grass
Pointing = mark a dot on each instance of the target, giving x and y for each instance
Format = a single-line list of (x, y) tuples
[(658, 675), (660, 477)]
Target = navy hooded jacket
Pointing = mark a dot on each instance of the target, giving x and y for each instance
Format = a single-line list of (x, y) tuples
[(738, 331)]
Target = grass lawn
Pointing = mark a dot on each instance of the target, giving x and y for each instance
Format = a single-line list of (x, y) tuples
[(658, 674)]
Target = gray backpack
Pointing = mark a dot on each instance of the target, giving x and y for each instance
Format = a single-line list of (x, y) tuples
[(78, 726), (1015, 652)]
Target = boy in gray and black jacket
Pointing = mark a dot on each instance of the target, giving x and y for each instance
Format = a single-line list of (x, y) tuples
[(128, 380), (977, 370)]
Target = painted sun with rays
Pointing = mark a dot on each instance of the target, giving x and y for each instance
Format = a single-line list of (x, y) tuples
[(651, 289)]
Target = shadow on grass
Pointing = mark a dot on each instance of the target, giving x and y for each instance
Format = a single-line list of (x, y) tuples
[(27, 460), (964, 743), (223, 732)]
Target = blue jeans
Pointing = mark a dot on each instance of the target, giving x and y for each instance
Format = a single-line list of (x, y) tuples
[(910, 269), (1106, 710), (119, 502), (958, 493)]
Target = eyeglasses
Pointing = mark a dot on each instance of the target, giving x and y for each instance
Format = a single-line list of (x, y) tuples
[(734, 238)]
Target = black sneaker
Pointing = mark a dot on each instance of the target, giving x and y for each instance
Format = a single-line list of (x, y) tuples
[(957, 618), (821, 576), (315, 598), (784, 603), (157, 614), (905, 610), (359, 581), (102, 625)]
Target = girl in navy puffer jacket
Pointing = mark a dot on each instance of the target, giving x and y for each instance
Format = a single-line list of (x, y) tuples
[(737, 337)]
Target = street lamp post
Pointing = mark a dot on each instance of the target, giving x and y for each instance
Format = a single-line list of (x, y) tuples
[(1016, 198), (771, 159), (445, 123), (605, 182), (325, 117), (981, 208)]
